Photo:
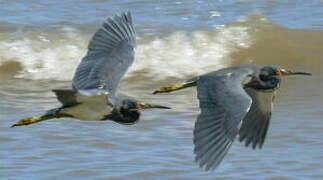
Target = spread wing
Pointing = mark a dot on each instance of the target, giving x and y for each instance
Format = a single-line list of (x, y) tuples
[(110, 54), (224, 103), (255, 125)]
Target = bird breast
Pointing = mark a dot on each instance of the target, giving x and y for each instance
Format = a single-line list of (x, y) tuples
[(88, 111)]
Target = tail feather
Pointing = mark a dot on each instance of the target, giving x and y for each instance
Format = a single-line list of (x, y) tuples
[(66, 96)]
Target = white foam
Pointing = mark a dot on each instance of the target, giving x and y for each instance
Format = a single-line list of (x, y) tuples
[(43, 58), (181, 54)]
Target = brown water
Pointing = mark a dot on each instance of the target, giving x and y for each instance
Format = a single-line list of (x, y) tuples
[(35, 60)]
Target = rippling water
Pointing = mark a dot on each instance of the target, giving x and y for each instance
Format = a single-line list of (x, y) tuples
[(41, 43)]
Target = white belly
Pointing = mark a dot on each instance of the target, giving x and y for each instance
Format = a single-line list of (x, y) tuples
[(92, 109)]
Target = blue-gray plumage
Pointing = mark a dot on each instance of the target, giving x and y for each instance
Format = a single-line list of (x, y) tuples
[(233, 101), (110, 54), (93, 94)]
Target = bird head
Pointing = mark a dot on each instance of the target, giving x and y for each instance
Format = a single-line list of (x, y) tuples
[(270, 71), (133, 105), (270, 77), (128, 112)]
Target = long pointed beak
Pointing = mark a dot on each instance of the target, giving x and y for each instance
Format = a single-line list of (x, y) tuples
[(284, 72), (142, 105)]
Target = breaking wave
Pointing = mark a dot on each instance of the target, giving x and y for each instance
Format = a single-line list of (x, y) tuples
[(253, 39)]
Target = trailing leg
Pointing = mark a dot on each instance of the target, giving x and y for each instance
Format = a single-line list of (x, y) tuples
[(174, 87), (32, 120)]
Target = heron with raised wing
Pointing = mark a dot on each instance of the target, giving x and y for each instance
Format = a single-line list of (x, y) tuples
[(93, 94), (233, 101)]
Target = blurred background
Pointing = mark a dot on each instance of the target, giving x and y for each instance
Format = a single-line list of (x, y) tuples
[(42, 42)]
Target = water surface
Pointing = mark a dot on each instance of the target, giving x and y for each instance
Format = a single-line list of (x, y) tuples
[(41, 43)]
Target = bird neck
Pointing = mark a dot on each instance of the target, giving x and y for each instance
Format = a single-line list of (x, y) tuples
[(124, 117), (267, 84)]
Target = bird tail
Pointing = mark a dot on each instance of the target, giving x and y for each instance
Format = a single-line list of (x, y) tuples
[(113, 32), (32, 120), (175, 87)]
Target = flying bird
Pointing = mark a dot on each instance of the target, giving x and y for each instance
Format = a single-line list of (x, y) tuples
[(95, 82), (233, 101)]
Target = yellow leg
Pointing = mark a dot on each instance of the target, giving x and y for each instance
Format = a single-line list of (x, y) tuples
[(174, 87), (32, 120)]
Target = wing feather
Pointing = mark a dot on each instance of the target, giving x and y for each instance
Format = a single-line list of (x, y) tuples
[(255, 125), (224, 103), (110, 54)]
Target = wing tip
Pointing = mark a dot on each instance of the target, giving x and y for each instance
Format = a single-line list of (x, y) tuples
[(114, 30)]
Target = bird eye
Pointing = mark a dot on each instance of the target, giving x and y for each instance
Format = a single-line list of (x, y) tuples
[(263, 76)]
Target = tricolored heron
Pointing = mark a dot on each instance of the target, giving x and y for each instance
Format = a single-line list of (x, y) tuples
[(93, 94), (233, 101)]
